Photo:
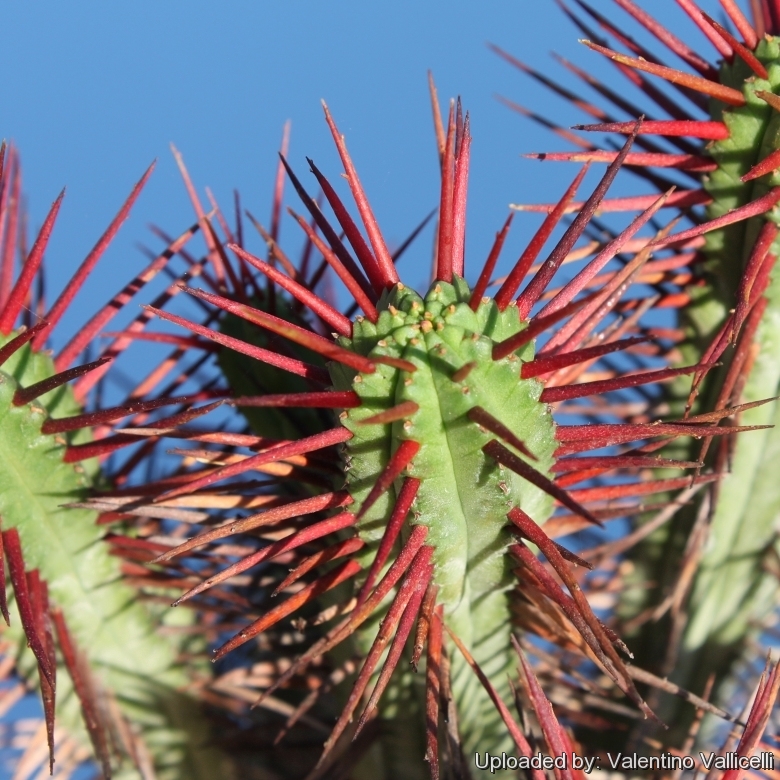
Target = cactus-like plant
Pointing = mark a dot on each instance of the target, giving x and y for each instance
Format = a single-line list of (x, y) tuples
[(126, 677), (714, 135), (452, 465), (402, 470)]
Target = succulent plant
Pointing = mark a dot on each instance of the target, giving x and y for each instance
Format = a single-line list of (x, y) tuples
[(713, 584), (379, 560), (451, 465), (72, 607)]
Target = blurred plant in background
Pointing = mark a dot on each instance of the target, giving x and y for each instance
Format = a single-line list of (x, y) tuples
[(704, 589)]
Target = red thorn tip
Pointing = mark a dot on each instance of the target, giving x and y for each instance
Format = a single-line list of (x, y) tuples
[(567, 392), (353, 280), (419, 571), (376, 274), (274, 249), (460, 186), (402, 632), (214, 254), (571, 557), (272, 455), (185, 342), (329, 399), (271, 516), (463, 371), (682, 162), (707, 131), (19, 341), (258, 353), (754, 208), (438, 124), (681, 199), (393, 528), (719, 414), (512, 726), (381, 253), (483, 418), (12, 547), (760, 712), (11, 197), (78, 279), (769, 164), (337, 255), (544, 275), (609, 492), (445, 232), (503, 456), (26, 394), (174, 420), (398, 412), (334, 318), (712, 88), (490, 264), (531, 252), (23, 284), (292, 332), (276, 210), (296, 539), (609, 462), (399, 363), (104, 416), (548, 364), (535, 327), (579, 438), (85, 334), (311, 591), (400, 459), (770, 98), (347, 547), (671, 41)]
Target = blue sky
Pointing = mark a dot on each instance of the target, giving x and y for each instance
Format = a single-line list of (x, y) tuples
[(93, 92)]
